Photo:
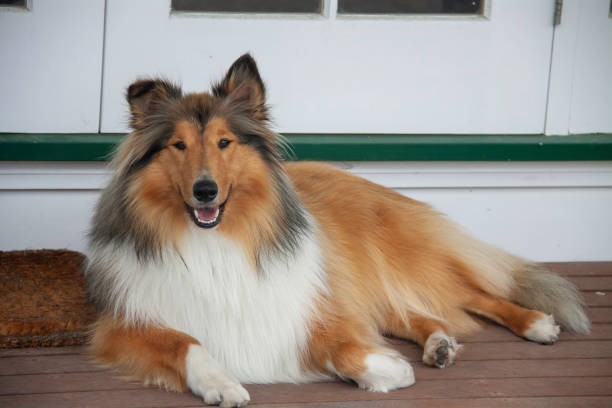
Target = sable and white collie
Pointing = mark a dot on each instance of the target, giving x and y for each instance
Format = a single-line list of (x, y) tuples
[(214, 262)]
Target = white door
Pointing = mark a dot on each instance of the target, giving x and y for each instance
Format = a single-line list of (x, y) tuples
[(51, 65), (334, 72), (580, 98)]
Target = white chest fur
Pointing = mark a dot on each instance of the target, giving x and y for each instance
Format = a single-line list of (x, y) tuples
[(253, 324)]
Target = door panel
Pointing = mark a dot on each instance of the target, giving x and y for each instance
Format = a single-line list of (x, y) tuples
[(358, 74), (51, 66), (580, 97), (591, 109)]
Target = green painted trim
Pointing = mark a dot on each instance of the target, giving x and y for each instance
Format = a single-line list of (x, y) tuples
[(342, 147), (453, 147)]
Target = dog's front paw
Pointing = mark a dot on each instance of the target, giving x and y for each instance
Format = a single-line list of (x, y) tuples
[(207, 379), (230, 394), (385, 372)]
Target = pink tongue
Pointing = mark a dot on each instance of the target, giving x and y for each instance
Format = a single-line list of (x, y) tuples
[(207, 213)]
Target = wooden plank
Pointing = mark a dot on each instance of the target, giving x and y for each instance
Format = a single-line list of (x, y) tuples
[(70, 364), (531, 350), (471, 388), (466, 367), (108, 399), (522, 350), (152, 398), (592, 283), (519, 368), (438, 392), (600, 314), (49, 364), (598, 298), (580, 268), (63, 382), (530, 402), (41, 351)]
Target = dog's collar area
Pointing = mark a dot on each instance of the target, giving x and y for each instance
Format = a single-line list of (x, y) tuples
[(208, 217)]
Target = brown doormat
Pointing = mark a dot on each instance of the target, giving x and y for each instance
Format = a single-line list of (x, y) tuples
[(43, 299)]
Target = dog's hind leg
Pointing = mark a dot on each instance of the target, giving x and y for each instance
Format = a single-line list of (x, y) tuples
[(167, 358), (439, 348), (530, 324)]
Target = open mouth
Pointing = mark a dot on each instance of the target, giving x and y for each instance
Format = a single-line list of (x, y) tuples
[(208, 216)]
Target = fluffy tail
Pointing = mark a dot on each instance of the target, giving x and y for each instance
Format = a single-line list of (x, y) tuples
[(528, 284), (537, 288)]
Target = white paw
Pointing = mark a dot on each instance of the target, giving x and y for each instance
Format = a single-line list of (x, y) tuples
[(207, 379), (543, 330), (440, 350), (225, 395), (385, 372)]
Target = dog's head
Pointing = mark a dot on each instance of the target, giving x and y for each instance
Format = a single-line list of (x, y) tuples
[(198, 153)]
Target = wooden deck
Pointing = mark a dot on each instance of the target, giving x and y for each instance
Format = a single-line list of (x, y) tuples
[(495, 369)]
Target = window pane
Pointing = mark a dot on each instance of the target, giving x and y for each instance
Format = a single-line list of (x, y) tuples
[(13, 3), (242, 6), (410, 6)]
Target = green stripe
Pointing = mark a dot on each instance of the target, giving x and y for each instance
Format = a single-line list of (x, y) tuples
[(358, 147)]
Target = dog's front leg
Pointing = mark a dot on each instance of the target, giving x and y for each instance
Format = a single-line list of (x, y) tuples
[(165, 357), (206, 378)]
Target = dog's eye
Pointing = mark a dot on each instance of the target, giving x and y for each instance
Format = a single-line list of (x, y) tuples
[(223, 143), (180, 145)]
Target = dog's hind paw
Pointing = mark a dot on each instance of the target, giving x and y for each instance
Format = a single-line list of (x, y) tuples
[(543, 330), (440, 350)]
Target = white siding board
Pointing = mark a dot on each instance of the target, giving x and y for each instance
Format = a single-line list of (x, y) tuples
[(556, 211)]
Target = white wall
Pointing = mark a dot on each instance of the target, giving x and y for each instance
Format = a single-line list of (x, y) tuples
[(543, 211)]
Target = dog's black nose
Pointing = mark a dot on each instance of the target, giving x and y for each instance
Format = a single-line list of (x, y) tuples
[(205, 190)]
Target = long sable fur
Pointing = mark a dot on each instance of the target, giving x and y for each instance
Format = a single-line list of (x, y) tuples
[(156, 106)]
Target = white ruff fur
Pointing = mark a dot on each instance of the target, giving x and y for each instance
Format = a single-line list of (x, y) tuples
[(255, 324)]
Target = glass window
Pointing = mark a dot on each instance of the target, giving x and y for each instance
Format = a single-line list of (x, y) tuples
[(248, 6), (13, 3), (410, 6)]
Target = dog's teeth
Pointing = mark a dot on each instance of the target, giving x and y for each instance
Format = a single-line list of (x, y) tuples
[(212, 221)]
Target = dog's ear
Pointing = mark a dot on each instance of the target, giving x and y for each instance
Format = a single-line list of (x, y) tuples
[(243, 86), (146, 96)]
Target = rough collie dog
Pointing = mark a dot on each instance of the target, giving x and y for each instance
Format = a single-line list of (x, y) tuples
[(215, 263)]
